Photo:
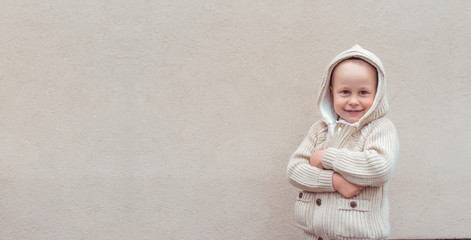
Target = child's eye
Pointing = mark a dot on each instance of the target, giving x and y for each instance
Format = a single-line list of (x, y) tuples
[(363, 92), (345, 92)]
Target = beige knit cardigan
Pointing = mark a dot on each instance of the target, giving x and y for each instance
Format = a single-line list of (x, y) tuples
[(364, 153)]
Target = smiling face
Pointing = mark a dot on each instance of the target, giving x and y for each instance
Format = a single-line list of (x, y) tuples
[(353, 89)]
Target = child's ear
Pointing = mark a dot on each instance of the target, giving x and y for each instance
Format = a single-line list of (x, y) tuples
[(331, 93)]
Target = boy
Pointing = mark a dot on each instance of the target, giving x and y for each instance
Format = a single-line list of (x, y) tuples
[(344, 165)]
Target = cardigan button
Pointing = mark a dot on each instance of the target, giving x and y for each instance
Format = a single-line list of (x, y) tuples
[(318, 202), (319, 238), (300, 195), (353, 204)]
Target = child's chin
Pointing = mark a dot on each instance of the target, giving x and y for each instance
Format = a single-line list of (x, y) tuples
[(352, 120)]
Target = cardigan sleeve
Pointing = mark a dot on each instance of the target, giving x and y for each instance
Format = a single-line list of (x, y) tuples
[(304, 176), (374, 165)]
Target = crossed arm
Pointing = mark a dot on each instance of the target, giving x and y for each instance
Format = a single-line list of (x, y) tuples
[(339, 183), (314, 178), (342, 170)]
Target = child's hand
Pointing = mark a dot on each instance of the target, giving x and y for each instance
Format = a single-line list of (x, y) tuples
[(344, 187), (316, 159)]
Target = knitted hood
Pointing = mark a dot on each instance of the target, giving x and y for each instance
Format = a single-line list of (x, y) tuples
[(380, 104)]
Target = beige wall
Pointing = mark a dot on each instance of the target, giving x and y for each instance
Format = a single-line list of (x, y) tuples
[(176, 119)]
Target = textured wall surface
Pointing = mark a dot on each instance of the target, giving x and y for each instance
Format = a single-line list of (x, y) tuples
[(176, 119)]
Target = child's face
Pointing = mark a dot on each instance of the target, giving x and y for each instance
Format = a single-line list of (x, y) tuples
[(353, 89)]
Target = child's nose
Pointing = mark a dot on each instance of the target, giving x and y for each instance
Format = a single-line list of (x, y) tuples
[(354, 101)]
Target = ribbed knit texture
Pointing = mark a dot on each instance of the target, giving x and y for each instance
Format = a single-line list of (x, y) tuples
[(364, 153)]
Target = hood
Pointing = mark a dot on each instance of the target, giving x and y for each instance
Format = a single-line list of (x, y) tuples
[(380, 105)]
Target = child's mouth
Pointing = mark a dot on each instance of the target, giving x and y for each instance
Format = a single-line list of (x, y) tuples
[(353, 112)]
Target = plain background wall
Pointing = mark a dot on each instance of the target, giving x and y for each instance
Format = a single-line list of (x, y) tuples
[(176, 119)]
